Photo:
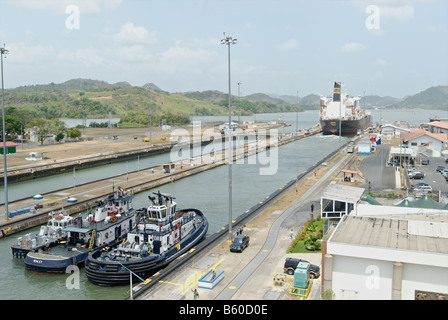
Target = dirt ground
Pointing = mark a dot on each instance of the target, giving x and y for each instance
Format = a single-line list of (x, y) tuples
[(97, 141)]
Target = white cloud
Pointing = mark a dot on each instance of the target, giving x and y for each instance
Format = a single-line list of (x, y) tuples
[(133, 54), (352, 47), (400, 10), (402, 13), (23, 53), (183, 58), (380, 62), (87, 56), (130, 34), (289, 45)]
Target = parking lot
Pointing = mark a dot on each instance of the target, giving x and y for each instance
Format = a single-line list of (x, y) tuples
[(432, 177)]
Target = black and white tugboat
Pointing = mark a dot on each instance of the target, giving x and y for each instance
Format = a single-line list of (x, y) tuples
[(112, 220), (48, 235), (162, 234)]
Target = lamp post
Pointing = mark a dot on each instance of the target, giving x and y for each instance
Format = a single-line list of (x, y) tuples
[(228, 41), (297, 114), (239, 103), (5, 170)]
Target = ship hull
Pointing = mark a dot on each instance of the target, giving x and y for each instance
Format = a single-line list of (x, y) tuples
[(348, 127), (109, 273)]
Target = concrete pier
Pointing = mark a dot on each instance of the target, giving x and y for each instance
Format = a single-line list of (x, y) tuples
[(137, 181), (249, 275)]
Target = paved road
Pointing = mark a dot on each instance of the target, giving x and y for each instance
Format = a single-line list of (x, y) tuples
[(375, 170), (271, 239)]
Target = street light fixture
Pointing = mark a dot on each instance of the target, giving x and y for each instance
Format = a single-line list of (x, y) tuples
[(5, 170), (228, 41)]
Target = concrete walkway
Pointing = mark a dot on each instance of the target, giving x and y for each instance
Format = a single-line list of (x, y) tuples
[(272, 236), (248, 275)]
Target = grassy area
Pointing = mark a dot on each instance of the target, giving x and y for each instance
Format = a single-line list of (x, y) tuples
[(308, 235)]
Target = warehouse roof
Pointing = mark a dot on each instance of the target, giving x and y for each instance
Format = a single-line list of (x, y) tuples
[(342, 193), (416, 232)]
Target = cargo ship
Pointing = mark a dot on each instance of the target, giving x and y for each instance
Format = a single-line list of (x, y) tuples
[(342, 112)]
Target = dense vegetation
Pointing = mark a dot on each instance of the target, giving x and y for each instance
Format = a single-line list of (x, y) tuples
[(135, 106), (84, 98)]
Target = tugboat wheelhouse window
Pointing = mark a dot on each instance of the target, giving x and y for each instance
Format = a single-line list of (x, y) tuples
[(153, 214)]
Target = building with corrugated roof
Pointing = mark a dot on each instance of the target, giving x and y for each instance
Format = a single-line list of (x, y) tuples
[(387, 258), (373, 252), (10, 147), (425, 142)]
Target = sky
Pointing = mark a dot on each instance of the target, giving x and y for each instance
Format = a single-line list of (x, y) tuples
[(284, 47)]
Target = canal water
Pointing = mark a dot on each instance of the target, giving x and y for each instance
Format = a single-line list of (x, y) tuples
[(207, 191)]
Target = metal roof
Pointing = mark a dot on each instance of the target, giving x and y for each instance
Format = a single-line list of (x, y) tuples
[(342, 193), (428, 233)]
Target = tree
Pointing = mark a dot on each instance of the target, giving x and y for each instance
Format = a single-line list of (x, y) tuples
[(74, 133), (13, 125), (44, 128)]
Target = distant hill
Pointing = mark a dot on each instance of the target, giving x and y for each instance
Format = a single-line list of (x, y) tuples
[(261, 97), (151, 86), (80, 98), (74, 84), (377, 101), (247, 105), (211, 96), (431, 98)]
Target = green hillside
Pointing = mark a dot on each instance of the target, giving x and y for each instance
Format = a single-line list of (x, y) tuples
[(431, 98), (86, 98)]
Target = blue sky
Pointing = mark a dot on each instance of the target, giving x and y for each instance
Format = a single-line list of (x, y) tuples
[(284, 46)]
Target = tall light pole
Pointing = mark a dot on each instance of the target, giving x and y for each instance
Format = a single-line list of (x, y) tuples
[(5, 170), (239, 103), (340, 112), (228, 41), (297, 114)]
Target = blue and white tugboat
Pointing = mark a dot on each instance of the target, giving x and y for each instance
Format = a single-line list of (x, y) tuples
[(112, 220), (162, 234), (48, 235)]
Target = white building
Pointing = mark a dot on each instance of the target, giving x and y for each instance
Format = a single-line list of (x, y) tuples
[(365, 147), (401, 257), (425, 142), (389, 131), (437, 127)]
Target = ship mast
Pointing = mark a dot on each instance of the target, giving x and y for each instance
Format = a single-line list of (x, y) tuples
[(337, 98)]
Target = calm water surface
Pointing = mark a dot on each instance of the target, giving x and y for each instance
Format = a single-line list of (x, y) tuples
[(207, 191)]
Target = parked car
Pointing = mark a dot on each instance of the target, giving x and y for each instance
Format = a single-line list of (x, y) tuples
[(425, 189), (291, 264), (416, 175), (420, 184), (440, 169), (446, 160), (425, 161), (240, 243), (392, 163)]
